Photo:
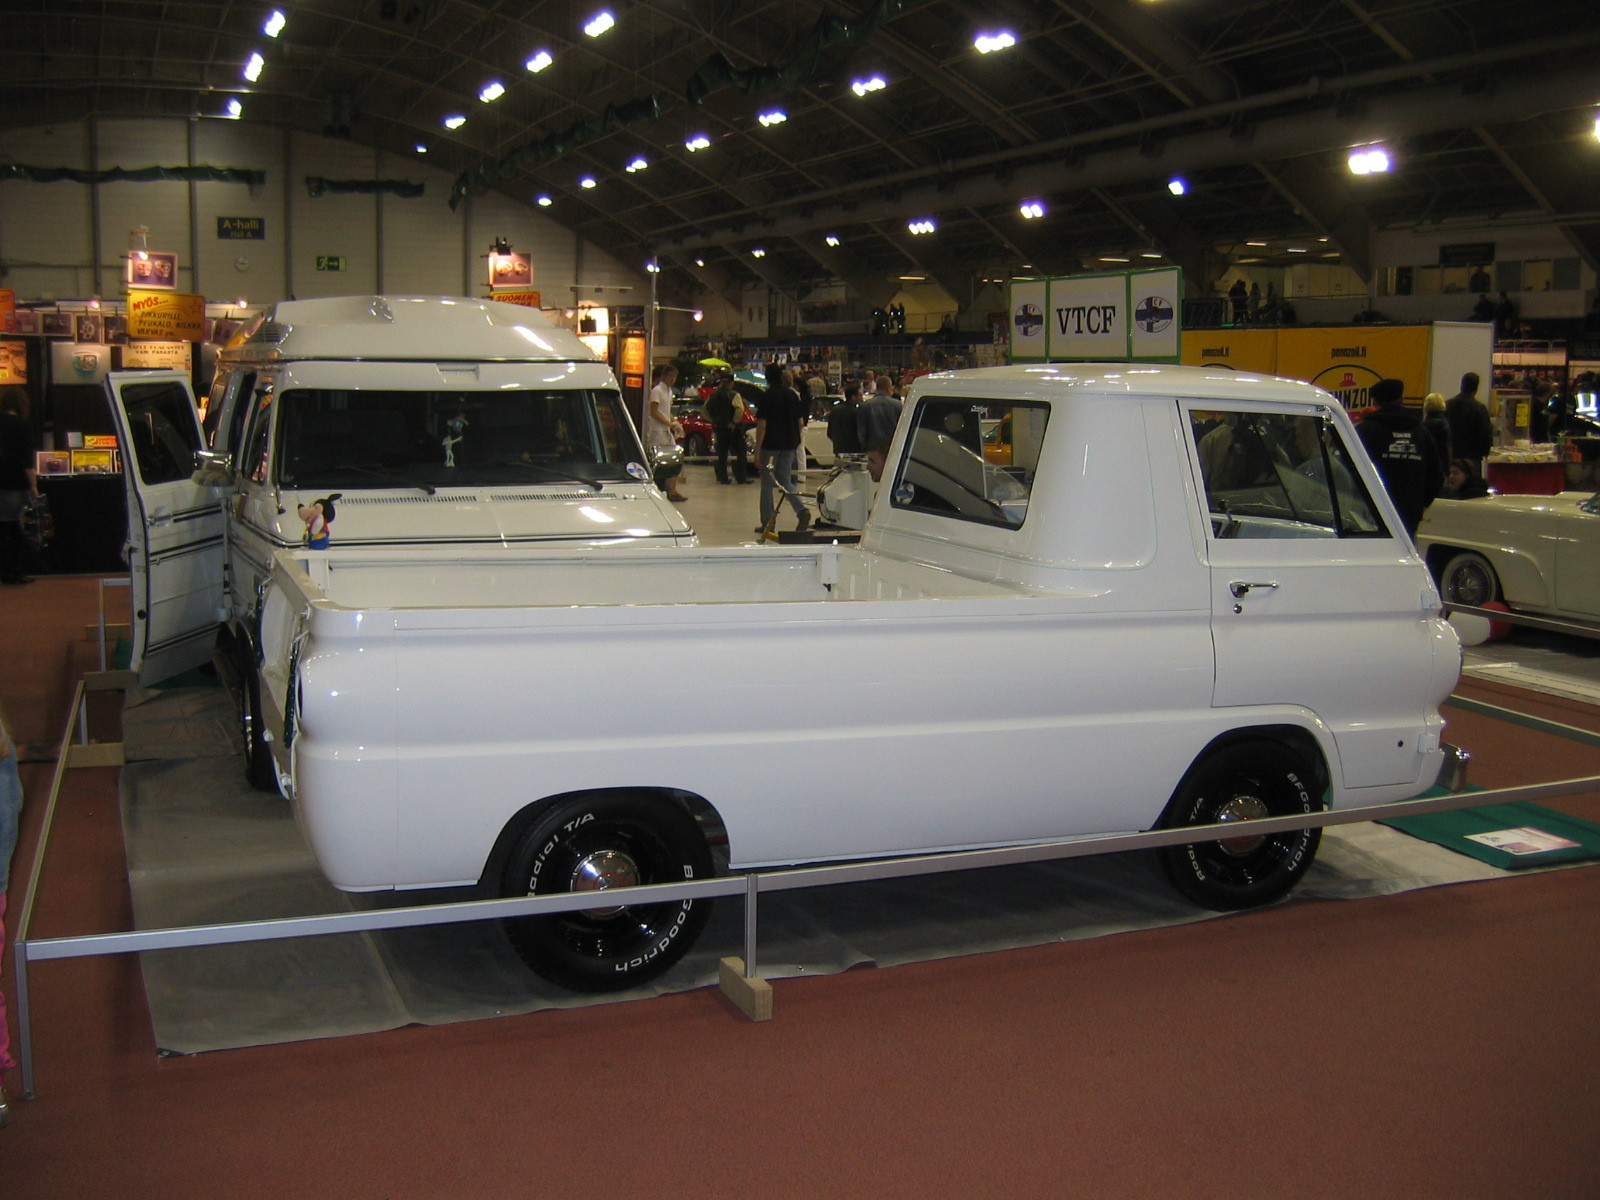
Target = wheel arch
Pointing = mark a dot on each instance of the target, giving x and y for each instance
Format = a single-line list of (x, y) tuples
[(1296, 738), (696, 807), (1522, 581)]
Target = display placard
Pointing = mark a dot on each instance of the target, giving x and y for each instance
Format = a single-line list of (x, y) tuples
[(516, 296), (152, 269), (1088, 317), (1347, 361), (1253, 350), (510, 269), (1117, 316), (13, 362), (175, 356), (1154, 331), (1029, 300), (166, 318), (8, 310)]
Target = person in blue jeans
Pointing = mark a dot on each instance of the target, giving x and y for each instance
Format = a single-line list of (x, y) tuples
[(10, 809), (779, 422)]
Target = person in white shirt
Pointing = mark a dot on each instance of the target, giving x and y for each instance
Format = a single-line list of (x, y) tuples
[(661, 431)]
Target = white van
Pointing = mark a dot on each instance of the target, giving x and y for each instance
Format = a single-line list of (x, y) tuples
[(418, 420)]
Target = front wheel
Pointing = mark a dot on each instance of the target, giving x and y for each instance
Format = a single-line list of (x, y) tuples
[(1469, 579), (1240, 782), (600, 843)]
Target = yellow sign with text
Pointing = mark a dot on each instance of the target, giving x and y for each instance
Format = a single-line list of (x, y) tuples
[(1347, 361), (1237, 349), (166, 316), (516, 296)]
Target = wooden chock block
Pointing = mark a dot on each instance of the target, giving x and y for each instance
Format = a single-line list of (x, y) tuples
[(752, 996), (95, 754)]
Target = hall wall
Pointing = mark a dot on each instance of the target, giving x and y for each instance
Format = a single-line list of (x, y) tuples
[(67, 240)]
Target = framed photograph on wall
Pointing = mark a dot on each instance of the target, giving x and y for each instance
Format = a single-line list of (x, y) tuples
[(27, 321), (53, 462), (57, 324), (87, 327)]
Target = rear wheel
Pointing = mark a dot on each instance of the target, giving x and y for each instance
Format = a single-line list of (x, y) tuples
[(1468, 578), (1241, 782), (695, 446), (600, 843), (258, 768)]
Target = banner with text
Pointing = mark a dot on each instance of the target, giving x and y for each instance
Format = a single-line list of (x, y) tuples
[(166, 317), (1125, 315), (174, 356)]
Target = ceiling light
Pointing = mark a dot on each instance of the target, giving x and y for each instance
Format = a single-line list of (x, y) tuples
[(862, 86), (1296, 249), (252, 68), (698, 142), (275, 24), (776, 117), (1177, 186), (1150, 254), (539, 61), (544, 200), (699, 262), (758, 252), (599, 23), (831, 240), (1113, 258), (588, 181), (492, 91), (698, 315), (454, 121), (922, 225), (422, 147), (914, 278), (1597, 127), (1255, 243), (1249, 260), (1369, 160), (235, 109), (1032, 209), (988, 43), (653, 267), (637, 164)]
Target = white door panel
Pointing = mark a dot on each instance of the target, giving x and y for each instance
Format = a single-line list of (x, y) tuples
[(175, 526)]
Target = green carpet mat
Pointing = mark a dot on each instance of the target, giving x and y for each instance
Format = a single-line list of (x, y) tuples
[(1509, 836)]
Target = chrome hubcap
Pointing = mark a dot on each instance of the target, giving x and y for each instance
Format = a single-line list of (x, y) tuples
[(601, 871), (1242, 808)]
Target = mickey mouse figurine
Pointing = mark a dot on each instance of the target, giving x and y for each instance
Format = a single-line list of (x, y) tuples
[(318, 516)]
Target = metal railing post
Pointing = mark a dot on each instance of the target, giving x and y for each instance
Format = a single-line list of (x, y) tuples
[(752, 887)]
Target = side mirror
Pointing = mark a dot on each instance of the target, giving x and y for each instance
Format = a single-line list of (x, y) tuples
[(212, 468)]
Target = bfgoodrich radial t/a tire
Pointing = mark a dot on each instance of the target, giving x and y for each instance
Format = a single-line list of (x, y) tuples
[(1237, 782), (598, 843)]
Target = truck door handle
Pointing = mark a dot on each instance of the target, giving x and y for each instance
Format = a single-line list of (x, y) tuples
[(1240, 589), (161, 515)]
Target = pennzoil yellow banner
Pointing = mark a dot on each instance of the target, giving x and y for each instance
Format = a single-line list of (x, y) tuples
[(166, 316)]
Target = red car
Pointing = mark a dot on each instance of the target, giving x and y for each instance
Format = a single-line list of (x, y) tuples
[(699, 440)]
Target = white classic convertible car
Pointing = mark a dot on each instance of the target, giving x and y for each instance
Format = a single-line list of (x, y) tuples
[(1536, 554)]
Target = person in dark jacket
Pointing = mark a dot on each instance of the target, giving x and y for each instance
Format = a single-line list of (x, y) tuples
[(725, 411), (844, 422), (1471, 433), (18, 482), (1403, 452)]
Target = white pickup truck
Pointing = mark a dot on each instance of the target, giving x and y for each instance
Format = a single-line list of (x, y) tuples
[(1088, 600), (411, 420)]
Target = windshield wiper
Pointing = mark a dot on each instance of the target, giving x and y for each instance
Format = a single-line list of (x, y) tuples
[(386, 476), (552, 473)]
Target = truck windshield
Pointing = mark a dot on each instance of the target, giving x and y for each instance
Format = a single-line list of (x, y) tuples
[(376, 439)]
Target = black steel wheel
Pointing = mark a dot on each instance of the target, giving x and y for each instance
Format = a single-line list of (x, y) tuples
[(1239, 782), (1469, 579), (600, 843), (258, 768)]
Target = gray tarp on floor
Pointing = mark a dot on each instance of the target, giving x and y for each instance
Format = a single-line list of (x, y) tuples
[(204, 848)]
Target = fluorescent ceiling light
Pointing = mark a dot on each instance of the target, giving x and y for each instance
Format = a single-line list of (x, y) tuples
[(862, 86), (1151, 254), (544, 201), (234, 109), (914, 278), (454, 121), (922, 225), (776, 117), (698, 142), (599, 23), (1032, 209), (1296, 249), (1255, 243), (1113, 258), (588, 181), (539, 61), (637, 164), (1177, 186), (831, 240), (275, 24), (492, 91), (252, 67), (758, 252), (422, 147), (988, 43)]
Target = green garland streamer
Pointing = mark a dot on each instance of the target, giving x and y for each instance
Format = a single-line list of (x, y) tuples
[(716, 73), (318, 186), (138, 175)]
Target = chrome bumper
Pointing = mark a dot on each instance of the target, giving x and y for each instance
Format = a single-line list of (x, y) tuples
[(1453, 770)]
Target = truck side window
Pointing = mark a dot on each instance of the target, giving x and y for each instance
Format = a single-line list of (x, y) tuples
[(164, 430), (972, 459), (1279, 475)]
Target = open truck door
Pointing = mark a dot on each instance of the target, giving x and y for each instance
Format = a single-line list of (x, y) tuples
[(175, 546)]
